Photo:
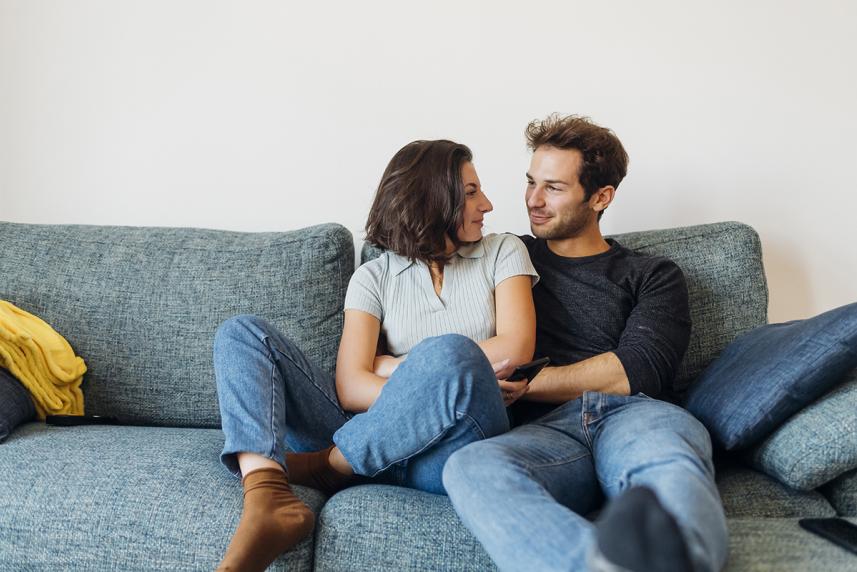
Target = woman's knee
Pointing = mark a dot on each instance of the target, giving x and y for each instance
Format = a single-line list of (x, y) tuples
[(448, 348), (246, 329), (452, 358)]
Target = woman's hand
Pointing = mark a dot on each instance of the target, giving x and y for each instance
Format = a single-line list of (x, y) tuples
[(384, 365), (511, 391)]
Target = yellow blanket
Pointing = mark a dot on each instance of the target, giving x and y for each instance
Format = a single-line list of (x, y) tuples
[(42, 360)]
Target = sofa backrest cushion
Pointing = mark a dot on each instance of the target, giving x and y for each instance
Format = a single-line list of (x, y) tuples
[(728, 294), (141, 305)]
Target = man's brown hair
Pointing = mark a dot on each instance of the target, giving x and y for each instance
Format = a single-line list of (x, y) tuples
[(605, 161), (420, 201)]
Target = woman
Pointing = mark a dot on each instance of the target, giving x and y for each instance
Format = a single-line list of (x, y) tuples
[(414, 382)]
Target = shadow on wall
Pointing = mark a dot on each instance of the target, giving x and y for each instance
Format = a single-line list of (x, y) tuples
[(789, 287)]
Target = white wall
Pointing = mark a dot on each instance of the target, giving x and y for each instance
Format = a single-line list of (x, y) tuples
[(253, 115)]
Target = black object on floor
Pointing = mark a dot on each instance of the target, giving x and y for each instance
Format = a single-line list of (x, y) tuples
[(836, 530)]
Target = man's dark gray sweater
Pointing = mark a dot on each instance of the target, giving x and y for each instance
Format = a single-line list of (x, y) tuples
[(620, 301)]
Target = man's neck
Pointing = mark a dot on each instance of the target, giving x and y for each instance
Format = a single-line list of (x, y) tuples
[(587, 243)]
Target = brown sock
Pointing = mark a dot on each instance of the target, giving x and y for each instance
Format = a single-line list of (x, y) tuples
[(314, 470), (273, 520)]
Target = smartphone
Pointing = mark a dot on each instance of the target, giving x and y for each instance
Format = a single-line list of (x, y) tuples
[(72, 420), (836, 530), (528, 370)]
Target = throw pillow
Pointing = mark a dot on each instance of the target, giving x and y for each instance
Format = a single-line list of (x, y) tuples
[(768, 374), (16, 406), (817, 444)]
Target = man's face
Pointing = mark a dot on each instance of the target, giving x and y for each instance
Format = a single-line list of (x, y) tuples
[(555, 197)]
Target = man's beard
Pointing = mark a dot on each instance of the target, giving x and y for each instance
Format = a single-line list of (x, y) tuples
[(562, 228)]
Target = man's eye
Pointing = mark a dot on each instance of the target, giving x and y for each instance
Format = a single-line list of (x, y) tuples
[(530, 183), (551, 188)]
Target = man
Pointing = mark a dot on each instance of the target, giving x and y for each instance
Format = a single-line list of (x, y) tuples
[(615, 325)]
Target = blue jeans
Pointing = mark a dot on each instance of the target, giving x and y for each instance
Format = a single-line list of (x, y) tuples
[(522, 493), (272, 398)]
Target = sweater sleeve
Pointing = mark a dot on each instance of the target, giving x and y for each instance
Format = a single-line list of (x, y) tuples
[(657, 332)]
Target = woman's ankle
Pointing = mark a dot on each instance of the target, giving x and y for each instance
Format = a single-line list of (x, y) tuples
[(251, 461), (339, 463)]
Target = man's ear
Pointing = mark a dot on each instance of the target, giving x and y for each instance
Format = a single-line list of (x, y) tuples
[(602, 198)]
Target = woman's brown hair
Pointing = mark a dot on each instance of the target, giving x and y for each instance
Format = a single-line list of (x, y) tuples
[(419, 201)]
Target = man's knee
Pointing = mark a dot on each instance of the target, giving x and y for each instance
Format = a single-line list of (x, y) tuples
[(480, 465)]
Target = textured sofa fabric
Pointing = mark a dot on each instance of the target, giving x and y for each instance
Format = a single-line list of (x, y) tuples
[(817, 444), (141, 306), (378, 528), (121, 498)]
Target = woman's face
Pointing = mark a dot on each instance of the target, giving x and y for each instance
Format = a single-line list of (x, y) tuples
[(476, 204)]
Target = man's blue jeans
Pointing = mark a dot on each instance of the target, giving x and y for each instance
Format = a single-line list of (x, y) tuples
[(442, 397), (522, 493)]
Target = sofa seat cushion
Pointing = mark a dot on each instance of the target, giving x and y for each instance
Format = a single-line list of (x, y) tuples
[(747, 494), (121, 498), (380, 527), (141, 304), (842, 493), (781, 545)]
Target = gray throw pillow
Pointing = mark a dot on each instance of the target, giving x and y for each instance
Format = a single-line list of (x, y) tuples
[(16, 405), (817, 444)]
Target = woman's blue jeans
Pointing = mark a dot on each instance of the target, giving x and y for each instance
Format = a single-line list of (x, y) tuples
[(272, 399)]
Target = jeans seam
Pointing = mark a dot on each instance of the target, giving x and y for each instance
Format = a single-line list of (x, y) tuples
[(556, 463), (274, 438), (306, 375)]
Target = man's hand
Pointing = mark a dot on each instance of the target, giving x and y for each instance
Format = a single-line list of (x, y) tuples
[(384, 365), (512, 391)]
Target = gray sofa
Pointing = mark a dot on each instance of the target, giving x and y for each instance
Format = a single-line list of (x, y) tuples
[(141, 305)]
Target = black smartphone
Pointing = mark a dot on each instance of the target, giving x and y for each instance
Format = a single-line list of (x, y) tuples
[(528, 370), (836, 530), (72, 420)]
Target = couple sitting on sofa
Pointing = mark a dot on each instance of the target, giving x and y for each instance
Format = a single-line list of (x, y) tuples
[(433, 328)]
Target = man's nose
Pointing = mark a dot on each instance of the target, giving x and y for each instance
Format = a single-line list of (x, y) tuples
[(535, 198)]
